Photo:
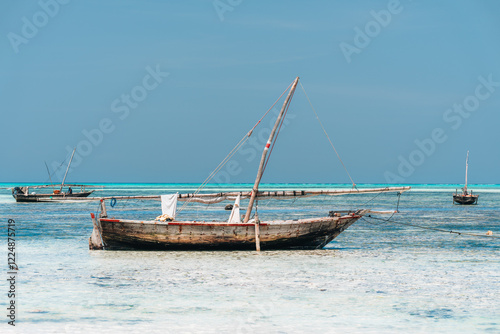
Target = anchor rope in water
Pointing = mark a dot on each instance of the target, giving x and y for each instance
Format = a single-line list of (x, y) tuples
[(389, 220), (393, 213), (327, 136), (428, 228)]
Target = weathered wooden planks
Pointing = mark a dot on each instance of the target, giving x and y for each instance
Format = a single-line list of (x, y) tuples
[(192, 235)]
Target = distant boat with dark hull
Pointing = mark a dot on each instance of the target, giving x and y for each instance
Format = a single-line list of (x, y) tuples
[(22, 193), (466, 197)]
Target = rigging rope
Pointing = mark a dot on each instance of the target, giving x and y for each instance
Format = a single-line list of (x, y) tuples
[(321, 124), (378, 194), (216, 170), (429, 228), (55, 171), (230, 155), (279, 98), (278, 132), (393, 213)]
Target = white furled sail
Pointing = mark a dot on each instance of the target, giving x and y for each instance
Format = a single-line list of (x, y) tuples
[(169, 205), (234, 218)]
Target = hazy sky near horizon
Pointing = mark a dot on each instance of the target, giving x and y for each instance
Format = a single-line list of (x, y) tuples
[(161, 91)]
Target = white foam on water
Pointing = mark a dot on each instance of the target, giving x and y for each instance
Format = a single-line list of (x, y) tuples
[(6, 199)]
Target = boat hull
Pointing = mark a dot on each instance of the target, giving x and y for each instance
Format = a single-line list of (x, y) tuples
[(49, 197), (465, 199), (311, 233)]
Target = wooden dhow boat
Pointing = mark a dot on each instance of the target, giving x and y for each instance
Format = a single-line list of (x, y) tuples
[(466, 197), (63, 192), (167, 233), (310, 233), (60, 192)]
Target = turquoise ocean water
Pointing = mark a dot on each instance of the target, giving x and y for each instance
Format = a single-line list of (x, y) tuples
[(376, 277)]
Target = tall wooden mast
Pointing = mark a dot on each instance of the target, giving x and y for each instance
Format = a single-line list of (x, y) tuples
[(255, 188), (466, 169), (67, 169)]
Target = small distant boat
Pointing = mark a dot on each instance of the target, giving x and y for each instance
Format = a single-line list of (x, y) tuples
[(466, 197), (22, 193)]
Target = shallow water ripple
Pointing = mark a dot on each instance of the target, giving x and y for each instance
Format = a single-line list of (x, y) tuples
[(375, 277)]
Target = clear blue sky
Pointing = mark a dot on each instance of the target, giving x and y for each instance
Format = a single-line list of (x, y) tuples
[(379, 83)]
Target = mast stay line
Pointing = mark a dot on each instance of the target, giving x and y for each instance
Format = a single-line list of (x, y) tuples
[(327, 136), (233, 151)]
